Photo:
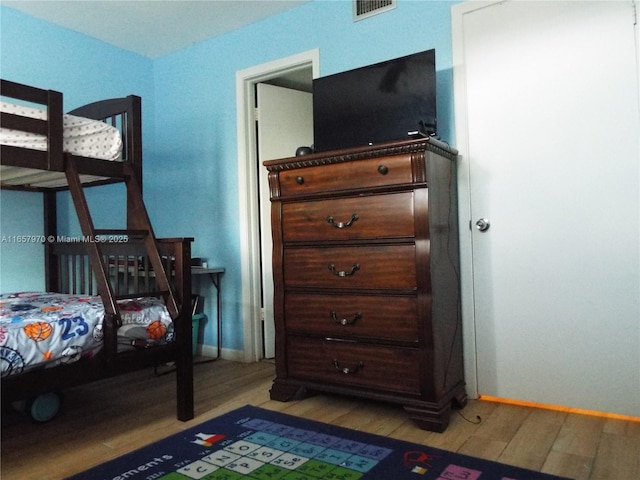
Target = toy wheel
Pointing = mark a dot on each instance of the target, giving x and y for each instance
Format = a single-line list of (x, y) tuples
[(44, 407)]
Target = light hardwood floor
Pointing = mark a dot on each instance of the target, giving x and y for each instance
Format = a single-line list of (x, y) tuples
[(109, 418)]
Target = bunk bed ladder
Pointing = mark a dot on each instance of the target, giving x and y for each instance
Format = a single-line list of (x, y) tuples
[(138, 221), (138, 228)]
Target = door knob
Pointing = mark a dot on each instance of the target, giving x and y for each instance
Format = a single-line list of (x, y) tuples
[(483, 224)]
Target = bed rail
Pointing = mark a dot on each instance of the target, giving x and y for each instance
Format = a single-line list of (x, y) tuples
[(129, 267), (51, 100)]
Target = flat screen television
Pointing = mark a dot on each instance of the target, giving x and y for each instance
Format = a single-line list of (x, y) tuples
[(391, 100)]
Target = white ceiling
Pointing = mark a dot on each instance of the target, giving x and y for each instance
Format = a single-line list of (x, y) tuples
[(152, 28)]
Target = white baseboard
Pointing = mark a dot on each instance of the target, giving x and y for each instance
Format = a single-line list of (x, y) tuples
[(227, 353)]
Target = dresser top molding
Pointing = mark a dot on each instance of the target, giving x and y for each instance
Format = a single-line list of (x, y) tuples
[(361, 153)]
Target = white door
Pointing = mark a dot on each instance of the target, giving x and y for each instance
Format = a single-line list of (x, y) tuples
[(550, 136), (285, 122)]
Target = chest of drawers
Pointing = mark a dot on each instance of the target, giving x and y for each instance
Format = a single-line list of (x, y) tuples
[(365, 262)]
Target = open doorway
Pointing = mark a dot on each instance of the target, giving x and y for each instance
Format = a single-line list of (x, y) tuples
[(295, 71), (284, 122)]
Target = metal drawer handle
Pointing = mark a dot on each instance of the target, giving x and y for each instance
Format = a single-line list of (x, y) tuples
[(353, 218), (347, 370), (299, 180), (343, 273), (383, 169), (344, 321)]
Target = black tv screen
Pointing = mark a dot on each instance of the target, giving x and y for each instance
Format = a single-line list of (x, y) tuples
[(391, 100)]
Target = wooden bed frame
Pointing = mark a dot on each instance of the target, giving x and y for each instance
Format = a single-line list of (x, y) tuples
[(112, 268)]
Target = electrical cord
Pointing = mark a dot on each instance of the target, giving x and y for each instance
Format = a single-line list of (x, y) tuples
[(477, 421)]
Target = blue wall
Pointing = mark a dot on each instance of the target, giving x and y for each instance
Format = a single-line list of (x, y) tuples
[(189, 102), (21, 255)]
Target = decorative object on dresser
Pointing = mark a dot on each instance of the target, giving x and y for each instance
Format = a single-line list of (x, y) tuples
[(366, 262)]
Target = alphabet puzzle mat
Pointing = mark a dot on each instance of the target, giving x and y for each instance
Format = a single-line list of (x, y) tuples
[(257, 444)]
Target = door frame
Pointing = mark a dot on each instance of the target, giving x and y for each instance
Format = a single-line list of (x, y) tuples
[(248, 194), (467, 293)]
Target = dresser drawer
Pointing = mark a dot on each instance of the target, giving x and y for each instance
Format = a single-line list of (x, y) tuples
[(374, 266), (392, 318), (376, 216), (354, 364), (375, 172)]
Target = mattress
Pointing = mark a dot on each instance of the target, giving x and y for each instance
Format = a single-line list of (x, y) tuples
[(40, 330), (81, 136)]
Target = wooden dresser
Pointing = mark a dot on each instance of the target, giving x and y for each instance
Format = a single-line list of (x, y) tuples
[(366, 272)]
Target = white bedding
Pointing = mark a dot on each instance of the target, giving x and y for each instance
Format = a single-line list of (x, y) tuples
[(46, 329), (81, 136)]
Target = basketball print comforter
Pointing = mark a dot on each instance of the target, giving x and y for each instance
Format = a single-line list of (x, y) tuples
[(46, 329)]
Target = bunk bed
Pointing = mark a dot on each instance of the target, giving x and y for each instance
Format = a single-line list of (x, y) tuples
[(125, 291)]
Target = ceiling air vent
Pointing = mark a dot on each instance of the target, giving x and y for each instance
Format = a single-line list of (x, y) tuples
[(366, 8)]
